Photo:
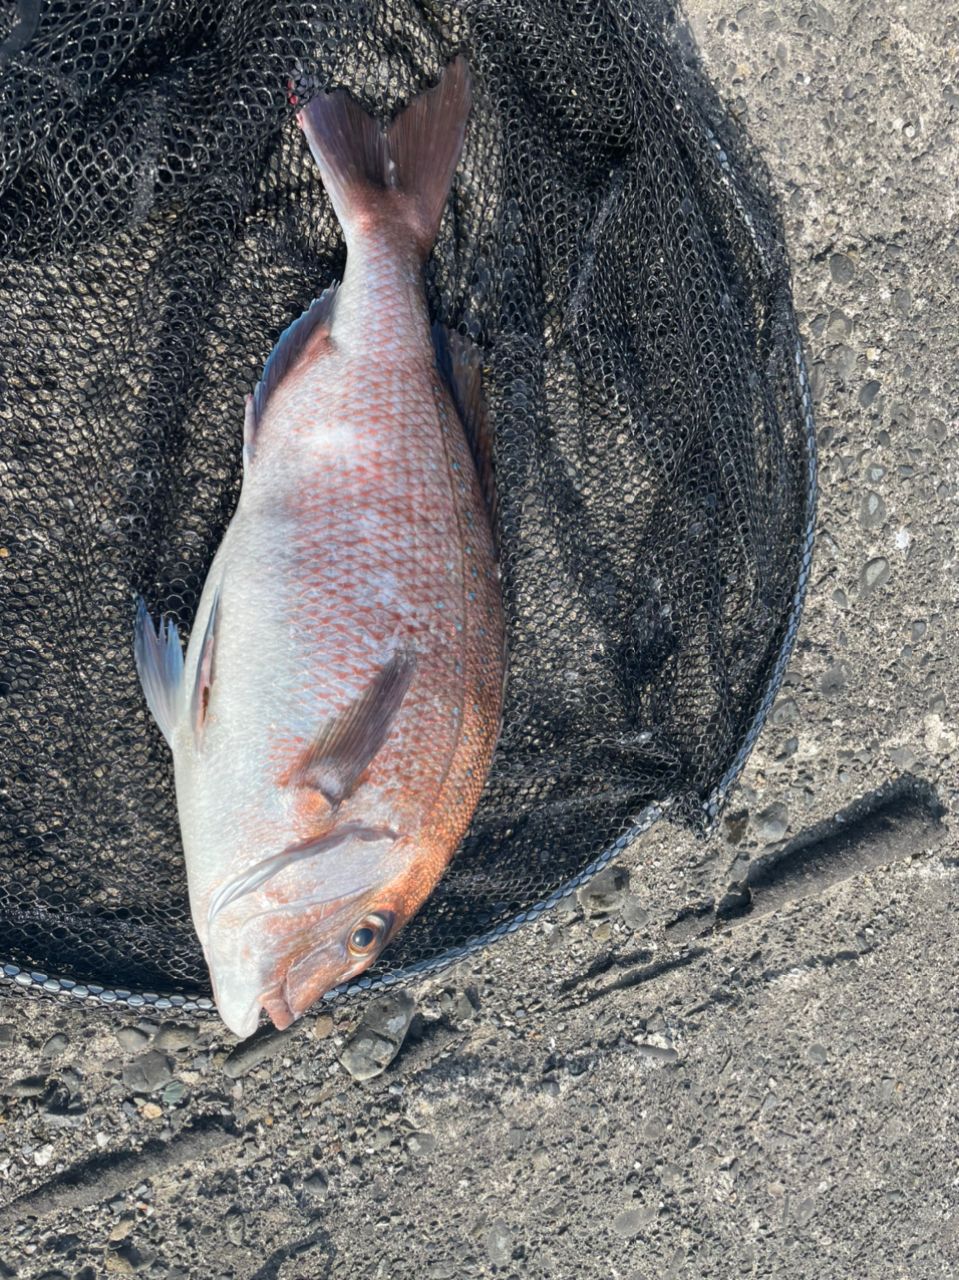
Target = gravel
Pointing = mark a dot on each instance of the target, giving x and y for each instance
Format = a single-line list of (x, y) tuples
[(842, 268), (872, 512), (235, 1226), (421, 1144), (772, 823), (148, 1072), (869, 392), (628, 1223), (378, 1037), (835, 678), (498, 1242), (131, 1038), (316, 1184), (252, 1053), (25, 1087), (173, 1093), (875, 574), (635, 914), (605, 893), (54, 1046), (174, 1037)]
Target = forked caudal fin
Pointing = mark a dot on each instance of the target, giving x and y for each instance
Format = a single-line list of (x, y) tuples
[(401, 173)]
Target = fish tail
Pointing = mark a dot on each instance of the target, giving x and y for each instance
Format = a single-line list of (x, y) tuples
[(396, 176)]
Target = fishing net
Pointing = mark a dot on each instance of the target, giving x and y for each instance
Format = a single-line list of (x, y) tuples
[(611, 245)]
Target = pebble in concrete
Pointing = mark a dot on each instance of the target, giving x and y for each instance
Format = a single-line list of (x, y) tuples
[(499, 1243), (605, 893), (379, 1036), (875, 574), (151, 1070), (54, 1046), (772, 823), (131, 1038), (262, 1046)]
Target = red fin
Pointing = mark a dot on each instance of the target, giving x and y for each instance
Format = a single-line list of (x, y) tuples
[(461, 364), (343, 750), (314, 322), (365, 168)]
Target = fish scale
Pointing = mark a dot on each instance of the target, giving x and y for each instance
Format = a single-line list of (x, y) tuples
[(345, 667)]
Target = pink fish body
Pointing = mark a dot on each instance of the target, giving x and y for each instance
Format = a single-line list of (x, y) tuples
[(333, 722)]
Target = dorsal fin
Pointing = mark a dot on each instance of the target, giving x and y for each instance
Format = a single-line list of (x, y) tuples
[(343, 750), (461, 364), (315, 319)]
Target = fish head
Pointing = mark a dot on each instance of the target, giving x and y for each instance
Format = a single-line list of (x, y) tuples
[(295, 926), (337, 950)]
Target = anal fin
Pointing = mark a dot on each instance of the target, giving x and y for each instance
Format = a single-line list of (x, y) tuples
[(315, 321)]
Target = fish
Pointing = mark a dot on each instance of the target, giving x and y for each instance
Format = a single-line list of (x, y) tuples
[(334, 718)]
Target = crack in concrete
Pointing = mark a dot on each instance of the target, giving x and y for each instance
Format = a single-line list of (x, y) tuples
[(889, 825), (92, 1181)]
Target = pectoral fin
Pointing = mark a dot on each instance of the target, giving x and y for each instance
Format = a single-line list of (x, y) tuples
[(344, 748)]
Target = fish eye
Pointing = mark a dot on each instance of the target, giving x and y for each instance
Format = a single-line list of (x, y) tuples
[(367, 933)]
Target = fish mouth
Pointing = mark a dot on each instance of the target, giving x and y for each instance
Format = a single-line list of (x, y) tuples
[(278, 1008), (283, 978), (240, 1010), (291, 989), (300, 988), (262, 872)]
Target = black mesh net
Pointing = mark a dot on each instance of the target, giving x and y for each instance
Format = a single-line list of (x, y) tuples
[(613, 248)]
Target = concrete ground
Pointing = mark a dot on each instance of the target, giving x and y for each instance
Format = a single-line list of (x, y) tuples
[(748, 1065)]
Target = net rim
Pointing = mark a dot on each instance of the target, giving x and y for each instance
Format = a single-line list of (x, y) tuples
[(12, 974), (38, 983)]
